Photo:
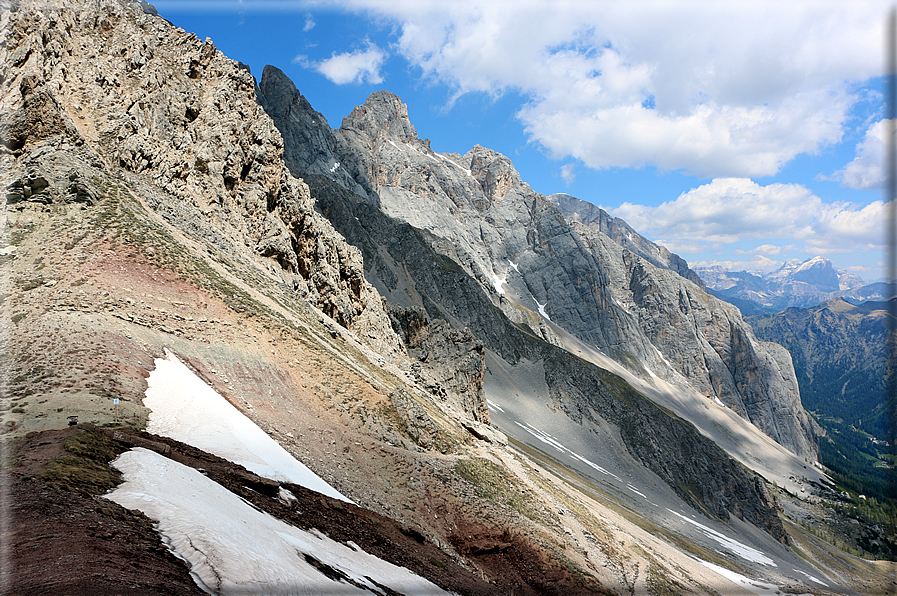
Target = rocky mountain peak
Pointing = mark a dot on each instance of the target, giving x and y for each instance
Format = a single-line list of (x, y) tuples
[(382, 114), (313, 148), (495, 172), (796, 283), (278, 90), (819, 272)]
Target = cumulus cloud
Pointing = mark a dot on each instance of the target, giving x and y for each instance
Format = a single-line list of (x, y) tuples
[(737, 88), (765, 249), (729, 210), (865, 171), (359, 66), (845, 230)]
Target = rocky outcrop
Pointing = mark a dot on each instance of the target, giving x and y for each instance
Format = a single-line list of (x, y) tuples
[(593, 217), (707, 342), (449, 363), (313, 146), (155, 103), (418, 423)]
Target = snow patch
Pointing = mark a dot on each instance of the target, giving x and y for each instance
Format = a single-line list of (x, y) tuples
[(234, 548), (463, 169), (542, 309), (759, 588), (813, 579), (513, 265), (498, 282), (335, 166), (665, 361), (717, 401), (742, 550), (633, 489), (617, 302), (494, 406), (549, 440), (184, 408)]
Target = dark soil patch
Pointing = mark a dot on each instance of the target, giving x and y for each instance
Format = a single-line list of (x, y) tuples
[(67, 539), (518, 567), (64, 538)]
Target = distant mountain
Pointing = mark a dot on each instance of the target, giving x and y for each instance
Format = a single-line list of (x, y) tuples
[(839, 356), (796, 283)]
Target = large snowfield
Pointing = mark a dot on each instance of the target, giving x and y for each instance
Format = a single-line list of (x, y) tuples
[(232, 547), (185, 408)]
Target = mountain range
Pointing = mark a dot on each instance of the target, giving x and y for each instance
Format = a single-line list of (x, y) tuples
[(796, 283), (500, 391)]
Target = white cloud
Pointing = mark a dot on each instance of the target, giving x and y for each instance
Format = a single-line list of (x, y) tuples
[(736, 88), (758, 264), (729, 210), (845, 230), (567, 173), (765, 249), (309, 23), (863, 270), (865, 171), (359, 66)]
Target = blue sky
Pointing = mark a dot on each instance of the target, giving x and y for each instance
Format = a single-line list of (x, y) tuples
[(738, 133)]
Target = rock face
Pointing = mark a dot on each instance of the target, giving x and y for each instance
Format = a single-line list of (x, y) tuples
[(192, 127), (313, 147), (550, 261), (448, 362), (582, 212), (706, 341)]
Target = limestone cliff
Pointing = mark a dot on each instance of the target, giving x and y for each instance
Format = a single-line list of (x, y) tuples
[(582, 212), (591, 275), (706, 341)]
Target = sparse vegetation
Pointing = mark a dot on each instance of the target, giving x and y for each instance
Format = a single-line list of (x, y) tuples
[(30, 284), (493, 482), (87, 469), (18, 234)]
